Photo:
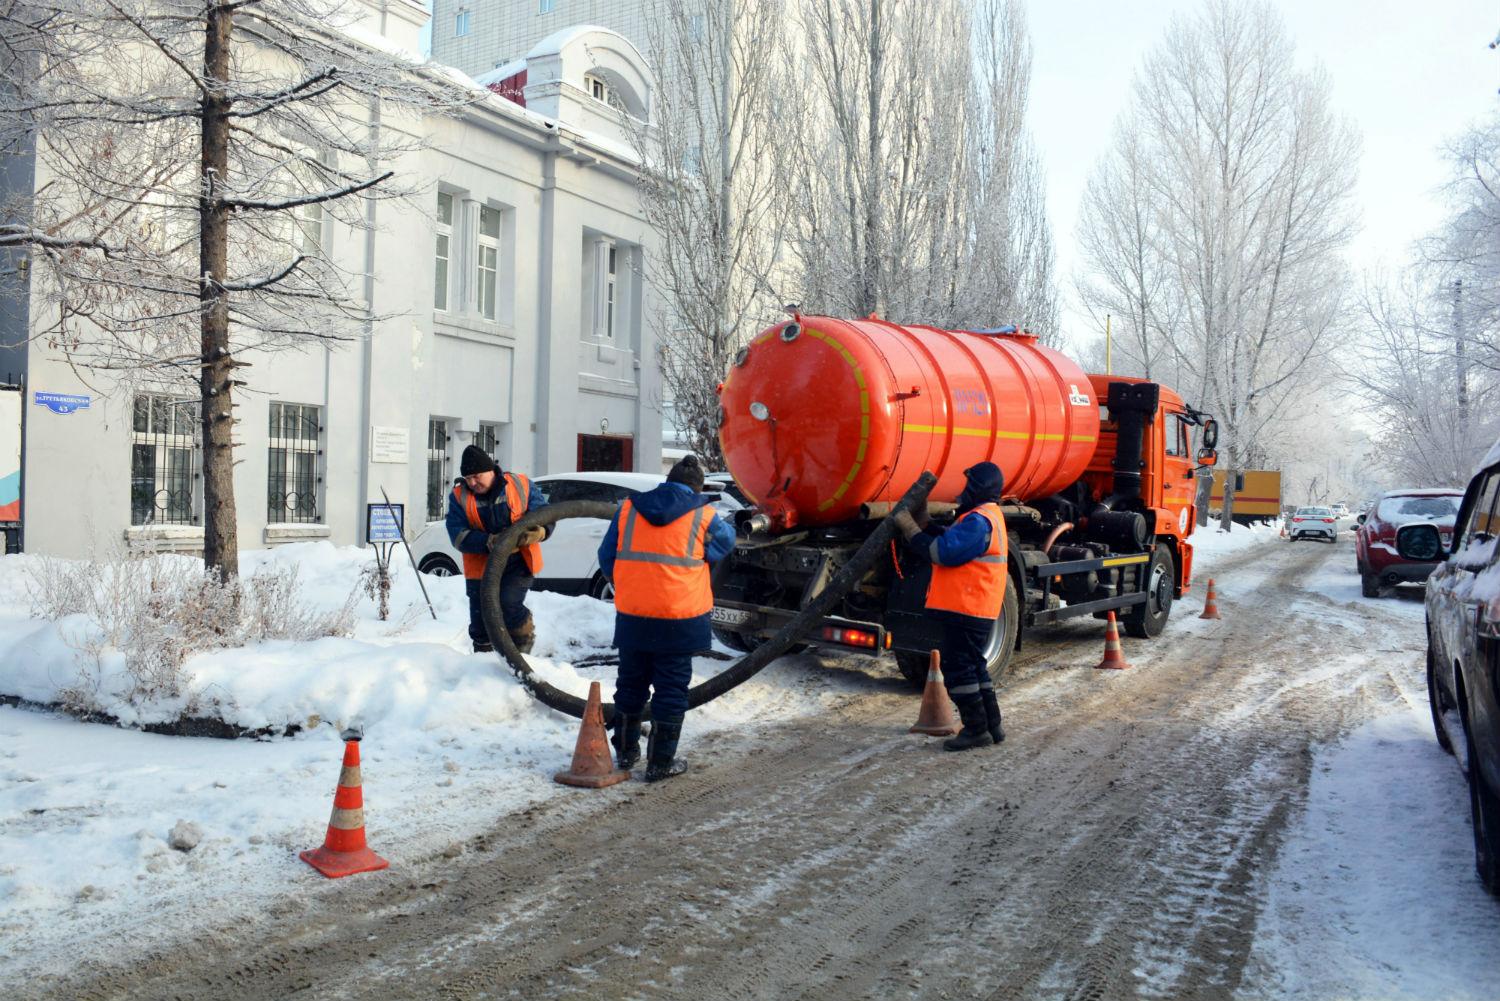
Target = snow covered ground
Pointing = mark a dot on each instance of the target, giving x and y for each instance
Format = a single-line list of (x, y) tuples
[(452, 742)]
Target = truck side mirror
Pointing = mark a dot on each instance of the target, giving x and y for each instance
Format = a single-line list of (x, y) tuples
[(1419, 541), (1210, 437), (1207, 457)]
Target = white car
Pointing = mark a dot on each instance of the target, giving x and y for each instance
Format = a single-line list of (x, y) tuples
[(569, 556), (1313, 522)]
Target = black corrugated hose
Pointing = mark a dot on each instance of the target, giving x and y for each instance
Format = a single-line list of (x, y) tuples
[(738, 672)]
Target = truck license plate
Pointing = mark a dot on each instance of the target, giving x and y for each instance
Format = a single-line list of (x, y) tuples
[(728, 616)]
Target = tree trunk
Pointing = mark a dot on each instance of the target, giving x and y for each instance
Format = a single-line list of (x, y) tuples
[(220, 534)]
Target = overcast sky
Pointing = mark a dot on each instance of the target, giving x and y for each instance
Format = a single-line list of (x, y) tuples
[(1408, 74)]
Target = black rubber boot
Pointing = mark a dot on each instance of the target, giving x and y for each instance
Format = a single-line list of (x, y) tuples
[(661, 750), (975, 732), (992, 714), (524, 635), (627, 740)]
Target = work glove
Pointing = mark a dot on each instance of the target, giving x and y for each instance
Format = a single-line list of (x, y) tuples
[(906, 523), (531, 536), (920, 515)]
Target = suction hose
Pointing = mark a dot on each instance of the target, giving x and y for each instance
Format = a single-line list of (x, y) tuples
[(737, 673)]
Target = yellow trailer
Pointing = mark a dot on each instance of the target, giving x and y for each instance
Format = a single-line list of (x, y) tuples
[(1257, 495)]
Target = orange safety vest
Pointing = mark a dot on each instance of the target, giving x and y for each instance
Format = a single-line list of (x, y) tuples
[(977, 587), (517, 493), (661, 570)]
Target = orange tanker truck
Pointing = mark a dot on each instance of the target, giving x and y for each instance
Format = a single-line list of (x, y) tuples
[(826, 423)]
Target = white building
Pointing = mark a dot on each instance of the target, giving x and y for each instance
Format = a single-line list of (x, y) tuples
[(522, 328)]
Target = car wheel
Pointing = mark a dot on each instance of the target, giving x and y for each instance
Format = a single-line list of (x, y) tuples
[(1149, 619), (1484, 808), (602, 588), (438, 565), (1436, 703), (1368, 585)]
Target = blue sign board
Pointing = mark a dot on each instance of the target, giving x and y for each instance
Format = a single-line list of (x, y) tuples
[(60, 403), (383, 522)]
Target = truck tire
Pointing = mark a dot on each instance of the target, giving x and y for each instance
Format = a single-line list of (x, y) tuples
[(999, 649), (1149, 618)]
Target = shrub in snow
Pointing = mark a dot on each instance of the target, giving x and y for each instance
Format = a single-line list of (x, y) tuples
[(145, 615)]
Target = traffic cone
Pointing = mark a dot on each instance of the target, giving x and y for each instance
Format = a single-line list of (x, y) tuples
[(935, 718), (1211, 605), (593, 759), (1112, 657), (344, 851)]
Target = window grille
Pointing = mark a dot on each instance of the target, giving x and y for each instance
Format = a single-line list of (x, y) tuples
[(437, 469), (164, 461), (292, 480), (488, 438)]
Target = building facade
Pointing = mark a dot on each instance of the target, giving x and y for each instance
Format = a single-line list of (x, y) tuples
[(518, 323)]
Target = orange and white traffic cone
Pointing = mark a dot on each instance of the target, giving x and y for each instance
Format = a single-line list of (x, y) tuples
[(1113, 658), (1211, 604), (593, 759), (344, 851), (935, 718)]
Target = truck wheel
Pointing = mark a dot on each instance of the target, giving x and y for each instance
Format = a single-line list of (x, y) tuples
[(999, 649), (1369, 586), (1146, 620), (602, 588)]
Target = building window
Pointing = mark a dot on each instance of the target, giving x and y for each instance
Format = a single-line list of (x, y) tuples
[(488, 438), (692, 161), (437, 468), (310, 228), (488, 259), (444, 250), (597, 88), (605, 255), (461, 23), (546, 6), (164, 460), (292, 453)]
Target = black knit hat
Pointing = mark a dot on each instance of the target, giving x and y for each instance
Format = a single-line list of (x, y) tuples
[(475, 460), (688, 473)]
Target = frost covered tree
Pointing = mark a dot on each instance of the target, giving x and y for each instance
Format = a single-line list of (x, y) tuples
[(179, 160), (1466, 251), (918, 195), (1214, 228), (712, 188)]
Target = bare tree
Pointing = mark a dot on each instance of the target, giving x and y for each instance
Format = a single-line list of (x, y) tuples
[(917, 193), (1242, 177), (1465, 253), (711, 188), (187, 156)]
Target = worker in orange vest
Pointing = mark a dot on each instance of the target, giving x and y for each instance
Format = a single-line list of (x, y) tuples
[(966, 596), (484, 503), (656, 552)]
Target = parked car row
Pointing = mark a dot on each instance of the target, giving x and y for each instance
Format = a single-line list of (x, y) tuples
[(1463, 631), (570, 563)]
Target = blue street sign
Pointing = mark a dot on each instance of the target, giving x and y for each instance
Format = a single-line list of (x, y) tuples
[(60, 403), (383, 522)]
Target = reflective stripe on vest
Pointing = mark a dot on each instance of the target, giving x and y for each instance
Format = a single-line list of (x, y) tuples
[(977, 587), (517, 496), (660, 570)]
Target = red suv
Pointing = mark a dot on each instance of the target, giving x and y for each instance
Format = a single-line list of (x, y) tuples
[(1375, 553)]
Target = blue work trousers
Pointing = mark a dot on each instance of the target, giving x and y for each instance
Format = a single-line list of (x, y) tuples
[(515, 582), (965, 669), (663, 676)]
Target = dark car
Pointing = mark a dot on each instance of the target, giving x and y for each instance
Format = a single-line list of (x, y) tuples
[(1375, 553), (1463, 650)]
